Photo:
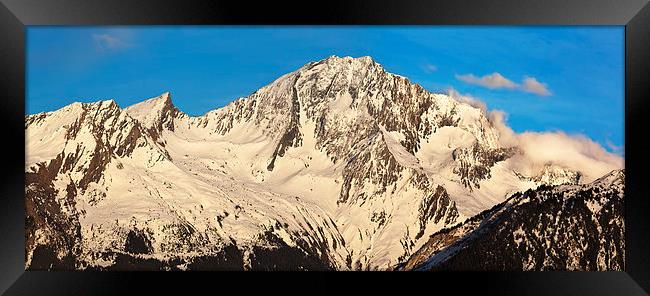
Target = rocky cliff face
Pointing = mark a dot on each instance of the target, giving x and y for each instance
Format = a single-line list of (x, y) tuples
[(338, 165)]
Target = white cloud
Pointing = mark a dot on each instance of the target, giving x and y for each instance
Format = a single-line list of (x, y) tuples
[(430, 68), (537, 149), (507, 136), (572, 151), (615, 148), (492, 81), (108, 41), (467, 99), (576, 152), (496, 81), (531, 85)]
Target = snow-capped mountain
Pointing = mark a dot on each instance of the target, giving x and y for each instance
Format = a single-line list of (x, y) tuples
[(338, 165), (565, 227)]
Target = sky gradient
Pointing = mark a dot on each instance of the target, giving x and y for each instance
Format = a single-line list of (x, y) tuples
[(569, 79)]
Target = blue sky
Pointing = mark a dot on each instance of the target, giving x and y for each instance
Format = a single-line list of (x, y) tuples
[(546, 78)]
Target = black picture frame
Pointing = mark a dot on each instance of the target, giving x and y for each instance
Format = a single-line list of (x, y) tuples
[(15, 15)]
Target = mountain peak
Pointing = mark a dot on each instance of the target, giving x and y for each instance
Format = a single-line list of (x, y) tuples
[(150, 105), (337, 59), (346, 58), (163, 99), (557, 175), (107, 102), (614, 177), (104, 104), (154, 111)]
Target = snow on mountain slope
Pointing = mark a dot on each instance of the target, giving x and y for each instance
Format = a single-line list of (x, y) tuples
[(562, 227), (181, 207), (339, 164)]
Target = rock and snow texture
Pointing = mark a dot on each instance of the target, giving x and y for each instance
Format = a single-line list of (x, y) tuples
[(338, 165), (563, 227)]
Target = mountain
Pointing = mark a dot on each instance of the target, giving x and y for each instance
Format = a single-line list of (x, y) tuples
[(566, 227), (338, 165)]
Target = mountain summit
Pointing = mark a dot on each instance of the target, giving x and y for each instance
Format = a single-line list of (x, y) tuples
[(338, 165)]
